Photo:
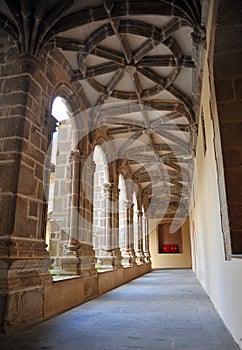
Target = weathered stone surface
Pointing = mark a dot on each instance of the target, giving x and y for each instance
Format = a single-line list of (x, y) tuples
[(238, 88), (235, 212), (229, 13), (7, 218), (234, 184), (12, 126), (231, 135), (19, 83), (225, 90), (27, 180), (228, 65), (28, 302), (33, 208), (229, 37), (236, 241)]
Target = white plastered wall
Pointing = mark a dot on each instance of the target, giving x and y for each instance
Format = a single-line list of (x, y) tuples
[(221, 279)]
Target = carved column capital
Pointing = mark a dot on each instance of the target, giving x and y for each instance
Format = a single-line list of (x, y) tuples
[(75, 155), (28, 63), (199, 36), (139, 213), (108, 187)]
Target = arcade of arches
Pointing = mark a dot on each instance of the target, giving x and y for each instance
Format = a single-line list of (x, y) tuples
[(146, 170)]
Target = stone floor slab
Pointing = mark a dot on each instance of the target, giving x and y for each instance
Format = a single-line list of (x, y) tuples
[(163, 310)]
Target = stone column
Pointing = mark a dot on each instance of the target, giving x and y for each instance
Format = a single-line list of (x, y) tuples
[(115, 228), (146, 239), (131, 236), (126, 251), (107, 258), (85, 252), (140, 252), (70, 262)]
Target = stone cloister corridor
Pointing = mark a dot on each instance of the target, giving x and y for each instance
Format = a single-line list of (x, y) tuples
[(164, 309), (134, 186)]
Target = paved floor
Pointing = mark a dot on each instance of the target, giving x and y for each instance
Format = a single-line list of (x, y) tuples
[(163, 310)]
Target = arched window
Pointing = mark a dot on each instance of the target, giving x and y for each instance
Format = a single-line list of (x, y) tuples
[(58, 215)]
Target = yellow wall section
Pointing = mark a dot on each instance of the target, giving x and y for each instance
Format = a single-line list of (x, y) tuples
[(171, 260)]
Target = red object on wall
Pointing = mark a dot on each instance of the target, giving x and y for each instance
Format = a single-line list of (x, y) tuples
[(175, 248), (170, 248), (165, 248)]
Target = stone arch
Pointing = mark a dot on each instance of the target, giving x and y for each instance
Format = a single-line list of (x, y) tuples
[(101, 141)]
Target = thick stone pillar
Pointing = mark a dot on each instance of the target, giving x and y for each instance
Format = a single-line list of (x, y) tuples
[(146, 239), (140, 252), (107, 258), (25, 138)]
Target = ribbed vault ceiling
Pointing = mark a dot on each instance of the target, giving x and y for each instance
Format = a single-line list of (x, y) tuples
[(135, 62)]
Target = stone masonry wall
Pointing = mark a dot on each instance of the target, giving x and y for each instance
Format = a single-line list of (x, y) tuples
[(228, 84)]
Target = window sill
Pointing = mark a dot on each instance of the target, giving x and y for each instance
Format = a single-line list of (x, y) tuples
[(236, 256)]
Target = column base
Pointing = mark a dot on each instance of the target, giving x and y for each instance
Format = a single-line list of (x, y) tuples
[(107, 260), (126, 258), (118, 259), (87, 260), (70, 265), (133, 257), (140, 259), (23, 278), (147, 257), (70, 262)]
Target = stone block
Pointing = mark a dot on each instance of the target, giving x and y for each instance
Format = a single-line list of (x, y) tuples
[(35, 136), (13, 126), (31, 306), (9, 176), (14, 99), (27, 182), (230, 112), (35, 90), (224, 90), (232, 157), (39, 171), (12, 309), (19, 83), (231, 135), (236, 241), (238, 88), (228, 38), (235, 217), (63, 295), (11, 145), (229, 12), (234, 184), (9, 69), (34, 152), (227, 65), (7, 215), (29, 278), (33, 208)]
